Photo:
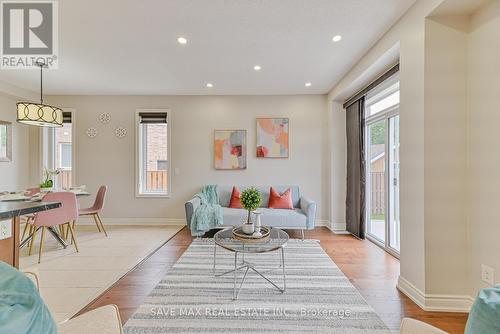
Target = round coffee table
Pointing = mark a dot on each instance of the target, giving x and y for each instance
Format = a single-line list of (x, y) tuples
[(276, 242)]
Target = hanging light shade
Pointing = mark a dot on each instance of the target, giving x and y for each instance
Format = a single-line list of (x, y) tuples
[(39, 114)]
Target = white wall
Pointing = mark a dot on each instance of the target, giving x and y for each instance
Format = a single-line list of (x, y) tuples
[(445, 143), (108, 160), (409, 36), (14, 175), (484, 142), (450, 73)]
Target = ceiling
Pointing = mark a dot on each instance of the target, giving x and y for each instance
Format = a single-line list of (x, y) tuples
[(130, 46)]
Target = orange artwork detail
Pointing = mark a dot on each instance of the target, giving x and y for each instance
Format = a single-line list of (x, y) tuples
[(219, 146), (267, 125)]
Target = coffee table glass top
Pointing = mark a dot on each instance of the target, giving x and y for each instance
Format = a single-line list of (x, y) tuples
[(277, 239)]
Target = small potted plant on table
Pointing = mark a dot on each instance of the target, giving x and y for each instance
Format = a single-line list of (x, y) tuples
[(250, 200), (48, 182)]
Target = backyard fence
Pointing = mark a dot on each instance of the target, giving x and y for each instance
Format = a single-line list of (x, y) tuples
[(377, 187), (156, 180)]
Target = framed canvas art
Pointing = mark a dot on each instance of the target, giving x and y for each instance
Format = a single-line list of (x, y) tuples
[(272, 138), (230, 149)]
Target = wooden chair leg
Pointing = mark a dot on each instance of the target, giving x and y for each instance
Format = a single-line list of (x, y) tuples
[(73, 237), (32, 241), (96, 222), (66, 231), (102, 225), (41, 244)]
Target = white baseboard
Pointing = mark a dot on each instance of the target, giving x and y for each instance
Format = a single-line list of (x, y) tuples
[(87, 220), (134, 221), (322, 222), (337, 228), (434, 302)]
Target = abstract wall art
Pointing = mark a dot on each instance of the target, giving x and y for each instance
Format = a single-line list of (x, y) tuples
[(272, 137), (230, 149)]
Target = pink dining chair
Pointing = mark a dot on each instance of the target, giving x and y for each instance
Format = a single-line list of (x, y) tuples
[(29, 192), (60, 217), (96, 208)]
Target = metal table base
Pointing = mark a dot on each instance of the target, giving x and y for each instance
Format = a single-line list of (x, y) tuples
[(52, 231), (247, 266)]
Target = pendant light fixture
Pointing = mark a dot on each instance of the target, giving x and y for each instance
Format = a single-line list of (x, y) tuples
[(39, 114)]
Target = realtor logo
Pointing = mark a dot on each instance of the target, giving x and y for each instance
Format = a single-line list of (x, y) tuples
[(29, 34)]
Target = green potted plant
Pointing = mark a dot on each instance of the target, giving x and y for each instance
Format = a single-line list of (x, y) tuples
[(48, 182), (250, 200)]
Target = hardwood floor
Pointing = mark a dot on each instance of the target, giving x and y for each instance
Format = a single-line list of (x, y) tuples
[(370, 269)]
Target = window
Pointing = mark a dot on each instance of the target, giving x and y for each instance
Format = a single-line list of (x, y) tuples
[(161, 164), (57, 151), (153, 147), (383, 97), (65, 158), (5, 141)]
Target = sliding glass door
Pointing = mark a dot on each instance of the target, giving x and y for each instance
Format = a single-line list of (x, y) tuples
[(382, 165), (394, 225), (375, 179)]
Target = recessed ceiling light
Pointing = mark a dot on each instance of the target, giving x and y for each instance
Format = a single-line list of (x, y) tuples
[(210, 85), (182, 40), (308, 84), (336, 38), (257, 67)]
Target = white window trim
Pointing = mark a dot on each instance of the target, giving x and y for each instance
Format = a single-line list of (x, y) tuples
[(138, 165), (50, 160)]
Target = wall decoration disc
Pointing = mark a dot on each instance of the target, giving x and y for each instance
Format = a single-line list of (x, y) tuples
[(104, 118), (120, 132), (91, 132)]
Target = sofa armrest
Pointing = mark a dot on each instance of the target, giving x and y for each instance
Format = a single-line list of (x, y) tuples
[(105, 319), (190, 207), (309, 208), (412, 326)]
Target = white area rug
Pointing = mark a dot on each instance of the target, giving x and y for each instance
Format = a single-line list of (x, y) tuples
[(318, 299), (70, 280)]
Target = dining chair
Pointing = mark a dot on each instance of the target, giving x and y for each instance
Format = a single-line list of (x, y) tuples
[(104, 319), (96, 208), (62, 216), (27, 218)]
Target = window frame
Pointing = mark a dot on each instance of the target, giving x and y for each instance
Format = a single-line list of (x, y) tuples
[(140, 162)]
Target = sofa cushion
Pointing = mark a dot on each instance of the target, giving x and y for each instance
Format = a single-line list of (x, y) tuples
[(225, 193), (235, 201), (280, 201), (282, 218)]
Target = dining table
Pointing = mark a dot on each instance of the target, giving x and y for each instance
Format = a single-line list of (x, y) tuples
[(38, 199), (9, 230)]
